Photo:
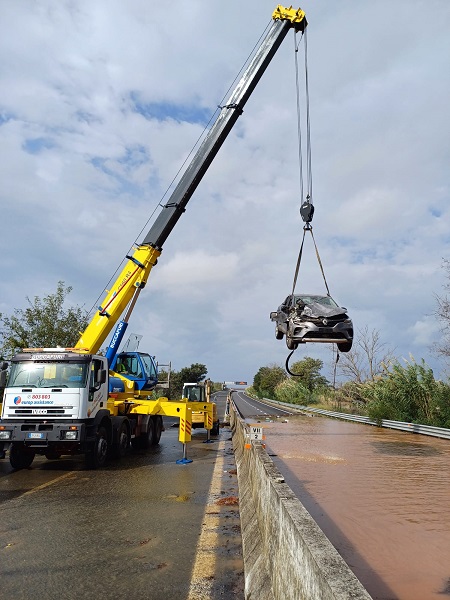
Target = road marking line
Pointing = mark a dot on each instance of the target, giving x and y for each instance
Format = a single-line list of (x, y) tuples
[(205, 562), (44, 485)]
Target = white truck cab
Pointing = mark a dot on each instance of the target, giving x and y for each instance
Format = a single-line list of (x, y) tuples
[(52, 401)]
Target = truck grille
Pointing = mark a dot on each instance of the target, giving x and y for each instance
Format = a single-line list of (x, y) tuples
[(39, 413), (48, 411)]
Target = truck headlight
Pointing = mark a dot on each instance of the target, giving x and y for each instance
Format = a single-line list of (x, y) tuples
[(69, 435), (5, 435)]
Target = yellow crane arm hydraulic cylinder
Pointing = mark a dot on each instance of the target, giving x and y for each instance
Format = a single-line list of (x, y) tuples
[(132, 277)]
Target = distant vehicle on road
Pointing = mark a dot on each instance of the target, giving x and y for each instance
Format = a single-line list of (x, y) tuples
[(313, 318)]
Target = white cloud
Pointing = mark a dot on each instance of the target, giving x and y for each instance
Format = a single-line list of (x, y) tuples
[(194, 272), (424, 332)]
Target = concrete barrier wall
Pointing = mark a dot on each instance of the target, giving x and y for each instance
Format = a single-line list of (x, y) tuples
[(286, 554)]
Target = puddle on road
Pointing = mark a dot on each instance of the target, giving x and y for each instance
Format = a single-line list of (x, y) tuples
[(180, 498)]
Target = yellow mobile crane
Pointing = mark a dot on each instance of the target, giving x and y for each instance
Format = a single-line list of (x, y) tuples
[(73, 400)]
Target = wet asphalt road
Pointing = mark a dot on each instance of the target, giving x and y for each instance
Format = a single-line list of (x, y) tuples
[(251, 409), (141, 528)]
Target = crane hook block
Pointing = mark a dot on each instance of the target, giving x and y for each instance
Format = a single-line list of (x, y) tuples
[(307, 211)]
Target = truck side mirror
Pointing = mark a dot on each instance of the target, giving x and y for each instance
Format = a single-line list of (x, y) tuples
[(3, 365), (101, 376), (3, 376)]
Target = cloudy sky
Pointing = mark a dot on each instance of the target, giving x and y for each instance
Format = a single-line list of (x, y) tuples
[(100, 104)]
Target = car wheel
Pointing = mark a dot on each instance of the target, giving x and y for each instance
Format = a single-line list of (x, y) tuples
[(290, 343), (278, 334), (345, 347)]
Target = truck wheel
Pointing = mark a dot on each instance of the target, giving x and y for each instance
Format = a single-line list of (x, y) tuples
[(215, 428), (157, 430), (52, 455), (122, 445), (145, 440), (96, 457), (20, 457)]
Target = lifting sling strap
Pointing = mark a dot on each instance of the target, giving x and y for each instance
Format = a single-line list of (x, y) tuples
[(306, 228)]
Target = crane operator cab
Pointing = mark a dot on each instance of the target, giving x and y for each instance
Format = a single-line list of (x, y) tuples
[(195, 393), (201, 392), (137, 366)]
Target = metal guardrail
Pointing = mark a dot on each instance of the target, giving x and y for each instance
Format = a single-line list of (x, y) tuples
[(440, 432)]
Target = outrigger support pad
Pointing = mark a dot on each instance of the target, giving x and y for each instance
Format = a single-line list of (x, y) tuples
[(307, 210), (185, 460)]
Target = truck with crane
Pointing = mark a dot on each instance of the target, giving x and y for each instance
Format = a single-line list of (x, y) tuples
[(75, 400)]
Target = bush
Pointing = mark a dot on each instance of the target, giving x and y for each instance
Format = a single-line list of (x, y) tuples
[(409, 394), (293, 391)]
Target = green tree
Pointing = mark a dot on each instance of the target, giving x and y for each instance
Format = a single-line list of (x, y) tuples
[(292, 391), (193, 374), (267, 379), (44, 323), (308, 374)]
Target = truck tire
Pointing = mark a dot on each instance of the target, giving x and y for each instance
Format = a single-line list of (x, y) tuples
[(157, 429), (52, 455), (145, 440), (122, 443), (20, 457), (96, 457)]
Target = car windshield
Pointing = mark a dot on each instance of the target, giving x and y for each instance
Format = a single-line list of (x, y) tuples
[(310, 299), (48, 374)]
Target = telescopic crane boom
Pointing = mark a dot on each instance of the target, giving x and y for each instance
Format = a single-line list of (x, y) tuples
[(137, 269)]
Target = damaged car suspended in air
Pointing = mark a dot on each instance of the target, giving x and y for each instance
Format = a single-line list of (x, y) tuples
[(313, 318)]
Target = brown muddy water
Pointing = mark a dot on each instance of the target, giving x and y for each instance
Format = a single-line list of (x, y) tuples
[(381, 496)]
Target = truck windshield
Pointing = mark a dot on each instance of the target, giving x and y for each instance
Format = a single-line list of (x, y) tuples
[(48, 374)]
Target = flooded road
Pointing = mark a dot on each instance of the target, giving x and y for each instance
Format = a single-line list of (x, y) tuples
[(382, 497)]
